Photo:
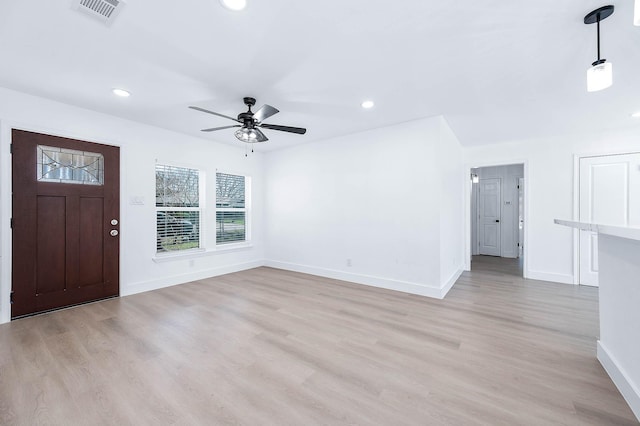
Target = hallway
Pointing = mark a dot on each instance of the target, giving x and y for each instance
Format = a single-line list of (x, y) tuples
[(501, 265)]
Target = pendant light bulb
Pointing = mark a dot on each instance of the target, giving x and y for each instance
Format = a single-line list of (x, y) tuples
[(599, 76)]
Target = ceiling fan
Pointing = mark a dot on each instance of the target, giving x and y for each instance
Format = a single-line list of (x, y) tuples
[(251, 122)]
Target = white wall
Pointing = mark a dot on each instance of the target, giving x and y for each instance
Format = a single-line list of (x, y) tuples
[(508, 176), (374, 198), (549, 192), (141, 146), (452, 200)]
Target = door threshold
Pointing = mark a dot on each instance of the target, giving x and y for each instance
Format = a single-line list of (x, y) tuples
[(62, 308)]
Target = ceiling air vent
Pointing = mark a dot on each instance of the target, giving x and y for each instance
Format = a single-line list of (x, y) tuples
[(104, 10)]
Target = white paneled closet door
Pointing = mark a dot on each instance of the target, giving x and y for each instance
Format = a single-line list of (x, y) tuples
[(609, 195)]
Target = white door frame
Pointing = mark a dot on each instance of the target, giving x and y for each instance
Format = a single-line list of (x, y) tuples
[(521, 206), (576, 204), (467, 210), (5, 222)]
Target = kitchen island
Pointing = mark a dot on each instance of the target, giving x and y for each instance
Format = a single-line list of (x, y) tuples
[(619, 304)]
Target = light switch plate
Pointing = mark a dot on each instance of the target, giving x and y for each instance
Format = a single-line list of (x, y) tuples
[(136, 200)]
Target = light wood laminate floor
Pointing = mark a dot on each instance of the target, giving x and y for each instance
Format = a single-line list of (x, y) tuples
[(269, 347), (501, 265)]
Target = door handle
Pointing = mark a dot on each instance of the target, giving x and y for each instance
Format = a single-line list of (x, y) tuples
[(497, 220)]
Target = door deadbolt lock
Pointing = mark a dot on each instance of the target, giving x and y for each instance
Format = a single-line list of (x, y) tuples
[(114, 222), (114, 232)]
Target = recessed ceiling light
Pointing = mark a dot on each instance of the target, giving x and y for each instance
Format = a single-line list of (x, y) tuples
[(367, 104), (234, 4), (636, 114), (121, 92)]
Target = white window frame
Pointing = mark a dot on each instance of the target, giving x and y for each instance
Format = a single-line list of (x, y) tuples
[(200, 209), (246, 210)]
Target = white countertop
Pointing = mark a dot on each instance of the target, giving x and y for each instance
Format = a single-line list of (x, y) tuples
[(616, 231)]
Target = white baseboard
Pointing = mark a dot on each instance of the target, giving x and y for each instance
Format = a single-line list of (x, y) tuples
[(548, 276), (452, 280), (623, 382), (390, 284), (140, 287)]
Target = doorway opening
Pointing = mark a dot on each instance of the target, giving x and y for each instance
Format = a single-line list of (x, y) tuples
[(497, 212)]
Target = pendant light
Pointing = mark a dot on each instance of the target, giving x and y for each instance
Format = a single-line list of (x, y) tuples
[(600, 75)]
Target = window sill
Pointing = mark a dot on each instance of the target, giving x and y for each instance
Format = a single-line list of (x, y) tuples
[(194, 254)]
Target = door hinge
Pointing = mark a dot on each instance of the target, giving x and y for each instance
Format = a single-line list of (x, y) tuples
[(11, 223), (11, 297), (11, 148)]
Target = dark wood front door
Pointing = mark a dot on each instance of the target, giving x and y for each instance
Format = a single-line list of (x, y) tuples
[(66, 213)]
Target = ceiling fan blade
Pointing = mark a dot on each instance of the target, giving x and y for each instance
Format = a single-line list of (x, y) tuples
[(213, 129), (260, 137), (298, 130), (214, 113), (265, 112)]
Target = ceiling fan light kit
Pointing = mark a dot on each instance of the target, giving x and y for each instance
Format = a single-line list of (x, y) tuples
[(245, 135), (250, 122), (600, 75)]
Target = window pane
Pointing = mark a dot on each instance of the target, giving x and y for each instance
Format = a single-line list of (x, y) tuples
[(229, 191), (178, 213), (177, 187), (69, 166), (177, 230), (230, 227)]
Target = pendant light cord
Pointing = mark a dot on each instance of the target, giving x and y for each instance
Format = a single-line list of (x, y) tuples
[(598, 24)]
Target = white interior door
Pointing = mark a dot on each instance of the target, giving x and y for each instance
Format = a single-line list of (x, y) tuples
[(489, 198), (520, 217), (609, 195)]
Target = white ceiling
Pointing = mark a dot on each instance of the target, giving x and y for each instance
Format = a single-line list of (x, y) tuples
[(497, 70)]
